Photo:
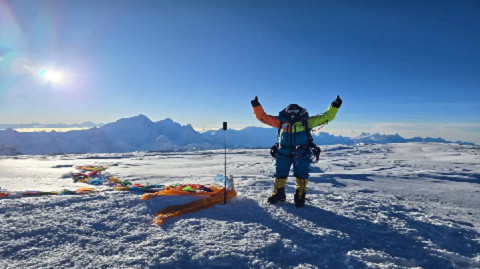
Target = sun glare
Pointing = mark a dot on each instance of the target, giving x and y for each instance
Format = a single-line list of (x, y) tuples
[(51, 75)]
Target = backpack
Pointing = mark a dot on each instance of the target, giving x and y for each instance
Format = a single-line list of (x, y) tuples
[(310, 147)]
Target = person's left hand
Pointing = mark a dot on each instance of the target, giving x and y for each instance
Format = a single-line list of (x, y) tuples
[(338, 102)]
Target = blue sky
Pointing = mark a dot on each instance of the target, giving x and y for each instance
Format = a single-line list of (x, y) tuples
[(411, 67)]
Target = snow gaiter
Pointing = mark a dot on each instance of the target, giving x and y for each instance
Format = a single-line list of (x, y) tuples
[(300, 191), (278, 191)]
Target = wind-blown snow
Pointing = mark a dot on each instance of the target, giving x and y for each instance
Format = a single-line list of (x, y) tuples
[(139, 133), (412, 205)]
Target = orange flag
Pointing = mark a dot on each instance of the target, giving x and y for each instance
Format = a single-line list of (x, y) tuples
[(176, 210)]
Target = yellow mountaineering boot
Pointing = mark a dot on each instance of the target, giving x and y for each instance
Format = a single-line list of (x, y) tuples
[(300, 191), (278, 191)]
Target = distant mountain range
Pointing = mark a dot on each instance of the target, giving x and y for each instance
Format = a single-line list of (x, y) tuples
[(139, 133), (87, 124)]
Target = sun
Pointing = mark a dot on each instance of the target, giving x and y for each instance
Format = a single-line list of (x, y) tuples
[(51, 75)]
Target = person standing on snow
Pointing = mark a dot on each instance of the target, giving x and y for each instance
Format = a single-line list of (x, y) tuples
[(294, 145)]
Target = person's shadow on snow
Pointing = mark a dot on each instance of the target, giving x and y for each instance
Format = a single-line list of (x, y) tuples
[(332, 249), (332, 179)]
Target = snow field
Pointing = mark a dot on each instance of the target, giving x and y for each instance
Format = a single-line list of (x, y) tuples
[(371, 206)]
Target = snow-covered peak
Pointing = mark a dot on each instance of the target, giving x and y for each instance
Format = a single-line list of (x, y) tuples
[(140, 118), (128, 123)]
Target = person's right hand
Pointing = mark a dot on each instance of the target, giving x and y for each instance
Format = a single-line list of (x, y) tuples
[(255, 102)]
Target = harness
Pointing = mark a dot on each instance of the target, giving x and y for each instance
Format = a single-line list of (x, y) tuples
[(308, 148)]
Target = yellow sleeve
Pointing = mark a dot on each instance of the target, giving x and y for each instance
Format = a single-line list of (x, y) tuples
[(326, 117)]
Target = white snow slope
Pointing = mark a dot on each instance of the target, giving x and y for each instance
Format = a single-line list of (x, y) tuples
[(407, 205)]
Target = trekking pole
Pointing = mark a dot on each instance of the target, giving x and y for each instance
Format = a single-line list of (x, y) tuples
[(225, 139)]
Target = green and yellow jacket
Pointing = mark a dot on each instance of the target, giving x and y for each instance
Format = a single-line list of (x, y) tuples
[(292, 134)]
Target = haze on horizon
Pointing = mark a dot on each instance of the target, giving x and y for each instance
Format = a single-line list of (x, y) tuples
[(406, 67)]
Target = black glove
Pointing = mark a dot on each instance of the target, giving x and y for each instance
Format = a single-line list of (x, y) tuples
[(338, 102), (255, 102)]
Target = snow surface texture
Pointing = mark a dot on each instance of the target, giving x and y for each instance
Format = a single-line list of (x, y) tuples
[(411, 205), (141, 134)]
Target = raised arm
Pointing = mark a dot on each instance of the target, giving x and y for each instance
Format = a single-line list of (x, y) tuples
[(262, 116), (326, 117)]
